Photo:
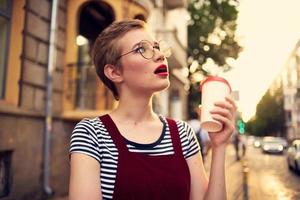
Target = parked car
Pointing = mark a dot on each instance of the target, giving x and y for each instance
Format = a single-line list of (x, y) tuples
[(272, 145), (257, 142), (284, 142), (293, 155)]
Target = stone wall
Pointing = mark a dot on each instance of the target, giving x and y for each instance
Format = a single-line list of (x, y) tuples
[(24, 136), (22, 129), (22, 126), (35, 56)]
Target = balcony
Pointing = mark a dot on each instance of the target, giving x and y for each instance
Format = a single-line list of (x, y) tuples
[(84, 90)]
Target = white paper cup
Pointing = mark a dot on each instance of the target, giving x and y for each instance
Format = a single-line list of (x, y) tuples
[(213, 89)]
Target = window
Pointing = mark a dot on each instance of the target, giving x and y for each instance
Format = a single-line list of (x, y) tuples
[(84, 92), (5, 173), (5, 17), (86, 77), (289, 116), (93, 18)]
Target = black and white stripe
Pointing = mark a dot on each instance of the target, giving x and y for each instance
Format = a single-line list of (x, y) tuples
[(91, 137)]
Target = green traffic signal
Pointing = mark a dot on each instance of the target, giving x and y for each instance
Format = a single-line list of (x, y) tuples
[(241, 126)]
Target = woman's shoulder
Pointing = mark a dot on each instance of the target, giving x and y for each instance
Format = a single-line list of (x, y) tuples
[(91, 125), (86, 138), (181, 124), (90, 122), (187, 138)]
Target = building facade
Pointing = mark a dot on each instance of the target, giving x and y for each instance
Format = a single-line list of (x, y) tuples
[(290, 77), (25, 30), (289, 80), (166, 25), (42, 96)]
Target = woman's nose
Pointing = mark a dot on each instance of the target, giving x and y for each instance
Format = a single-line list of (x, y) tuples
[(158, 55)]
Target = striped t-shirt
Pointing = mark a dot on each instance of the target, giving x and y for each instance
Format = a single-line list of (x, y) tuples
[(90, 137)]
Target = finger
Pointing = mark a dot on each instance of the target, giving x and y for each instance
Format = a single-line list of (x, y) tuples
[(225, 121), (231, 101), (222, 111), (224, 104)]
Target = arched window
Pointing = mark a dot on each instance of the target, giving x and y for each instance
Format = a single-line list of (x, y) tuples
[(93, 18), (84, 94)]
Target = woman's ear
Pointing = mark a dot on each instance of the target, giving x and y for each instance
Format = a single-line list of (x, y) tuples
[(113, 73)]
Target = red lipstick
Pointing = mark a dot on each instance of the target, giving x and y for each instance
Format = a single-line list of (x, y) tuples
[(161, 70)]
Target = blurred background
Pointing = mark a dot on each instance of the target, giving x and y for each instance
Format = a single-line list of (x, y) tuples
[(48, 84)]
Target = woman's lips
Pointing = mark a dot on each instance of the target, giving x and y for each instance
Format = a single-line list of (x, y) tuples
[(163, 74), (161, 70)]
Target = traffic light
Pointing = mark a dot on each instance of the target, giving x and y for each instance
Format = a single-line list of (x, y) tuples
[(241, 126)]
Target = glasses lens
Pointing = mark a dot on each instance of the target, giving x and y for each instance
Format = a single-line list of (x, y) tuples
[(146, 49), (165, 48)]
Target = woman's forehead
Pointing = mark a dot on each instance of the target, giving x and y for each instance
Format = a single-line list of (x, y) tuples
[(135, 36)]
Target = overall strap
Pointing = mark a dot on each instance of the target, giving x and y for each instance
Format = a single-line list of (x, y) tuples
[(175, 137), (114, 133)]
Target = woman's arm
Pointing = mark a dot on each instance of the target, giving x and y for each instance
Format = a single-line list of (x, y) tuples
[(199, 180), (84, 178), (215, 188), (201, 188), (224, 113)]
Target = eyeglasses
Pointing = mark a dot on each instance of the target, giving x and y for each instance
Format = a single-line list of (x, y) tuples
[(146, 49)]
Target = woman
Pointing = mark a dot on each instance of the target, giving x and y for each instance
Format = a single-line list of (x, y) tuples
[(133, 153)]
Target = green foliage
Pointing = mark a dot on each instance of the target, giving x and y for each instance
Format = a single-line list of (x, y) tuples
[(211, 32), (211, 35), (269, 117)]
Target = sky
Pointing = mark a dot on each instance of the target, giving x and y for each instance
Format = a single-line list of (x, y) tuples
[(268, 30)]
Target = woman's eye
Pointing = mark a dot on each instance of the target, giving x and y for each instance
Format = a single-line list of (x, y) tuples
[(157, 47), (140, 50)]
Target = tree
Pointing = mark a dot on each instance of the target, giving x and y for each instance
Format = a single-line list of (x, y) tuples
[(269, 116), (211, 40)]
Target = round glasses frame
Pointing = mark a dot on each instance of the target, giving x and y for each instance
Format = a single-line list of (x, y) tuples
[(162, 46)]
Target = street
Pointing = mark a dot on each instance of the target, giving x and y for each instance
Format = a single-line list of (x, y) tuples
[(269, 176), (259, 176)]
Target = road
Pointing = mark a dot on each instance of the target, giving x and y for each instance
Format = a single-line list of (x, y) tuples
[(269, 177), (259, 176)]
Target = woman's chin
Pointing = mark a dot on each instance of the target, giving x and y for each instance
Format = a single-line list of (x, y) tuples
[(162, 87)]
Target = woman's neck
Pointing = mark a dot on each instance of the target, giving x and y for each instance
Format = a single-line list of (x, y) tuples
[(135, 110)]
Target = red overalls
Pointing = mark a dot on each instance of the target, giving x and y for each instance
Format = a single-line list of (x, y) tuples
[(144, 177)]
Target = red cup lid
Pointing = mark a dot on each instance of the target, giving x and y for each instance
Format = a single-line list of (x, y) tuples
[(214, 78)]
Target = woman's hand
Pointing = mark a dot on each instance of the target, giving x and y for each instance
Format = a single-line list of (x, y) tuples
[(224, 112)]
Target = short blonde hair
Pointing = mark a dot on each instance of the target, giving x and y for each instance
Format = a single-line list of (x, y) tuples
[(106, 48)]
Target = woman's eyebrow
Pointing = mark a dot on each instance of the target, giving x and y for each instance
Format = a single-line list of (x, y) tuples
[(136, 44), (155, 43)]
